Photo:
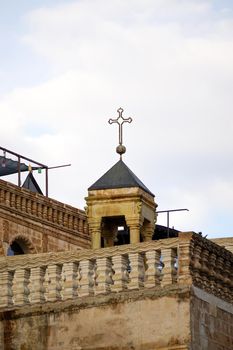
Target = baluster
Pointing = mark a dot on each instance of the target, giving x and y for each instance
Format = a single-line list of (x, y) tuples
[(45, 212), (70, 284), (196, 265), (80, 225), (169, 272), (6, 293), (219, 276), (75, 223), (121, 275), (85, 226), (60, 217), (212, 273), (18, 202), (2, 196), (8, 198), (54, 285), (152, 273), (12, 200), (39, 210), (29, 207), (230, 282), (86, 278), (227, 278), (69, 221), (55, 216), (104, 275), (65, 220), (20, 286), (205, 273), (34, 208), (50, 214), (37, 289), (137, 273), (23, 204)]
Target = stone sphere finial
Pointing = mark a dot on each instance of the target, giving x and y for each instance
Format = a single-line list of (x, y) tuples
[(121, 149)]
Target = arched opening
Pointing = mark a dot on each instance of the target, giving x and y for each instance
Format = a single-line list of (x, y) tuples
[(15, 249), (114, 231), (19, 246)]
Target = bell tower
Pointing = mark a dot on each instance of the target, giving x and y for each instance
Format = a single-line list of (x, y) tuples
[(119, 200)]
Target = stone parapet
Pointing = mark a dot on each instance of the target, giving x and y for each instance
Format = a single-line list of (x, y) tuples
[(45, 211), (160, 265), (211, 267)]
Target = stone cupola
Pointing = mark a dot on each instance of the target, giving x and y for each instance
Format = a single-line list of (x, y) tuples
[(120, 201)]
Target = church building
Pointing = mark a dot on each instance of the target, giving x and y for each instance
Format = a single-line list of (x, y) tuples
[(107, 277)]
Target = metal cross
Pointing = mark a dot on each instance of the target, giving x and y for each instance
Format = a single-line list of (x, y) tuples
[(120, 121)]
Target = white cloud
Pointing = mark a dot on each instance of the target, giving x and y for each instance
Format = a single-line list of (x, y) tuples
[(168, 63)]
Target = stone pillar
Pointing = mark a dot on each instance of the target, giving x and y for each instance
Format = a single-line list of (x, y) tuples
[(134, 229), (95, 230), (148, 231)]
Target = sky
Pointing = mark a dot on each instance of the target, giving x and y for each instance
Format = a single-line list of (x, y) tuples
[(67, 66)]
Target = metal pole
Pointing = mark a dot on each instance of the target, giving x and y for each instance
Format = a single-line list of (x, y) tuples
[(46, 182), (168, 212), (168, 224), (19, 173), (19, 155)]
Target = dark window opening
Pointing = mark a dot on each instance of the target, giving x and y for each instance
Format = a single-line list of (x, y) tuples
[(122, 236), (14, 249)]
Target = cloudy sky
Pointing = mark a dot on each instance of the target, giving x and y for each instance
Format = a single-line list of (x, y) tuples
[(67, 66)]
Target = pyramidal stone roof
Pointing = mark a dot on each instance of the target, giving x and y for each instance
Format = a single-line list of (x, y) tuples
[(119, 176)]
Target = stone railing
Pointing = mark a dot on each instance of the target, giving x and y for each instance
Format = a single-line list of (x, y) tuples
[(211, 268), (40, 278), (38, 207), (186, 260)]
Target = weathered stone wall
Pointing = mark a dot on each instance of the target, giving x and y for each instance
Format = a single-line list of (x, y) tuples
[(211, 322), (120, 297), (38, 223), (131, 320)]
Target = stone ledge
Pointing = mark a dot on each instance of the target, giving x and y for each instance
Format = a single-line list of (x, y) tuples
[(174, 291)]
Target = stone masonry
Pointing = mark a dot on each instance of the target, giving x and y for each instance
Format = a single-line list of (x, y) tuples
[(170, 294), (39, 224)]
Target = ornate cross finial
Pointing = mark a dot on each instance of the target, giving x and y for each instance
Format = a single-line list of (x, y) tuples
[(121, 149)]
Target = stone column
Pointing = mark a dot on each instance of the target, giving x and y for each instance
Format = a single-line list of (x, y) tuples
[(95, 229), (148, 231), (134, 229)]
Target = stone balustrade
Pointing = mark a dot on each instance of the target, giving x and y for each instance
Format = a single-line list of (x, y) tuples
[(38, 207), (185, 260)]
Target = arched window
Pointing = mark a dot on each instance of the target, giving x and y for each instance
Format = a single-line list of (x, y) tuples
[(20, 245), (15, 249)]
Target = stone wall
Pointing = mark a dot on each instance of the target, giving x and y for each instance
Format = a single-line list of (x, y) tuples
[(38, 223), (211, 322), (170, 294), (115, 322)]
